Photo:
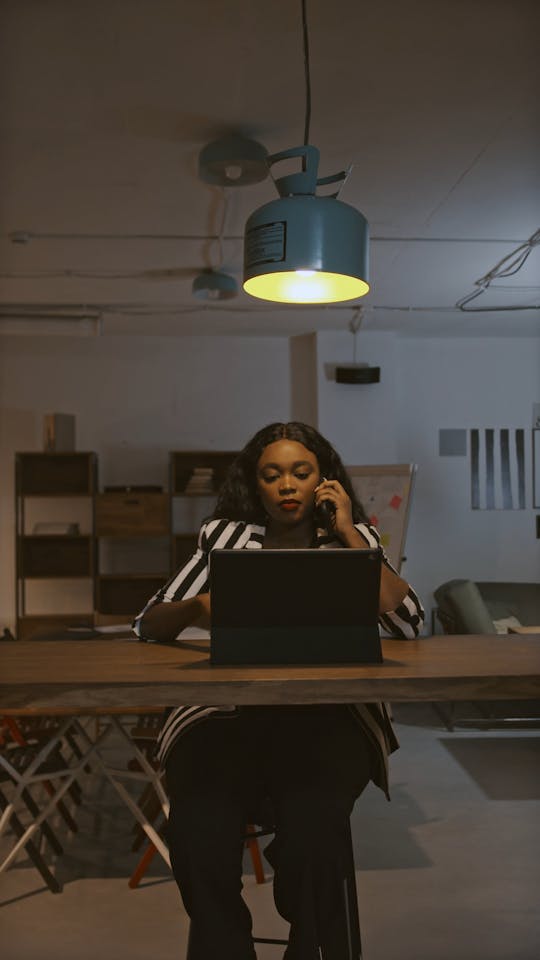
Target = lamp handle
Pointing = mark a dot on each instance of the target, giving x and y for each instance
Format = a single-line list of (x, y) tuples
[(304, 182)]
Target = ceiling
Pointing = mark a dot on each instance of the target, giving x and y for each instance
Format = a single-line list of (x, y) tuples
[(108, 103)]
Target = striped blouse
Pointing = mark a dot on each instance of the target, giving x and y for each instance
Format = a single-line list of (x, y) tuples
[(193, 578)]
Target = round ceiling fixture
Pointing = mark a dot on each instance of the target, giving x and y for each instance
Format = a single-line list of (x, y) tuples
[(233, 161), (214, 285)]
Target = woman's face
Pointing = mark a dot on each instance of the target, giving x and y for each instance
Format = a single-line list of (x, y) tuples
[(287, 474)]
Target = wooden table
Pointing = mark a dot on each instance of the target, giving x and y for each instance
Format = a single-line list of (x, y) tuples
[(74, 678), (120, 676)]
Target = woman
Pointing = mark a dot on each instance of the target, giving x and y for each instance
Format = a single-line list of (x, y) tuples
[(311, 761)]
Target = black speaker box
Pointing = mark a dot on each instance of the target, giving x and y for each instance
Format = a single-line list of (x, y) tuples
[(358, 374)]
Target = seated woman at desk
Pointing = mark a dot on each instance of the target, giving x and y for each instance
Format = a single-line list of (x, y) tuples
[(311, 761)]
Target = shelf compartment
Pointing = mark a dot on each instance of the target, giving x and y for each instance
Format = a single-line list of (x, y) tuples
[(183, 464), (56, 556), (56, 474), (132, 514), (126, 595)]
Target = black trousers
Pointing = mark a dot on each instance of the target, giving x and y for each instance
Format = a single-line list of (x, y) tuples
[(312, 762)]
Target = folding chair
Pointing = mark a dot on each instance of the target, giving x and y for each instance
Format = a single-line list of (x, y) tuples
[(140, 769), (24, 765), (46, 832), (34, 732)]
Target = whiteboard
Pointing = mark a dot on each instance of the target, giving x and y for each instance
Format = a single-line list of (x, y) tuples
[(385, 494)]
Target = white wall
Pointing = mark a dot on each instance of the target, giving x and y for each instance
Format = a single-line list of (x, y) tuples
[(428, 384), (359, 419), (490, 382), (134, 400)]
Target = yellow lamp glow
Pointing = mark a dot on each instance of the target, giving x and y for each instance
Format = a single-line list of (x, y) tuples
[(305, 286)]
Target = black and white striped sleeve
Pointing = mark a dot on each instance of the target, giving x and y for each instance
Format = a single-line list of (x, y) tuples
[(193, 577), (190, 580), (407, 619)]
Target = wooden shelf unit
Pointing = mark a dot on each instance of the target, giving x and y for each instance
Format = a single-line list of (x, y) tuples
[(135, 516), (49, 557), (119, 517), (126, 594), (183, 465), (56, 555)]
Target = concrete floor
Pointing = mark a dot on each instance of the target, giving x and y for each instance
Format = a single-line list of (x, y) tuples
[(450, 868)]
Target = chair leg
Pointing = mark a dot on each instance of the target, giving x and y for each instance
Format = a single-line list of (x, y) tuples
[(74, 788), (142, 866), (253, 845), (149, 853), (351, 905), (61, 807), (351, 913), (32, 851), (151, 807), (46, 830)]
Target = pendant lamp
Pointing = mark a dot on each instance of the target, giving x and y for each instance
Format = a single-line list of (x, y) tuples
[(303, 248)]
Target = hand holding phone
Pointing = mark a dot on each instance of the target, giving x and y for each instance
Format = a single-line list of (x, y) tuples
[(324, 514)]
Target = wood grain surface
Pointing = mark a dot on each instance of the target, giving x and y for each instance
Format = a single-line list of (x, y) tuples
[(113, 675)]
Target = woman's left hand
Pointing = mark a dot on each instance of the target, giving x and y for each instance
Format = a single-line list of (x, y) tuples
[(333, 491)]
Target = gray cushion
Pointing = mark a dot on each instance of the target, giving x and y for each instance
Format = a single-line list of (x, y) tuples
[(463, 602), (520, 600)]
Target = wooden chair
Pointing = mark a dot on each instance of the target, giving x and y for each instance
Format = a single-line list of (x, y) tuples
[(251, 843)]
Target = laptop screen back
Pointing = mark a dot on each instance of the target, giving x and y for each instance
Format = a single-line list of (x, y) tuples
[(295, 606)]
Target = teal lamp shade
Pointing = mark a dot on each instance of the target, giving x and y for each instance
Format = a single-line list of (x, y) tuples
[(302, 248)]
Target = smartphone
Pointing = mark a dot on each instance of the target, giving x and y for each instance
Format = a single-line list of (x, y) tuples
[(324, 515)]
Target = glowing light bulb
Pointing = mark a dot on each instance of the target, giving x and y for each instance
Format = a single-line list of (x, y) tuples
[(233, 171)]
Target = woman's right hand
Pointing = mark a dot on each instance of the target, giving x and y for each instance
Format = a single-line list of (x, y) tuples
[(205, 619), (164, 621)]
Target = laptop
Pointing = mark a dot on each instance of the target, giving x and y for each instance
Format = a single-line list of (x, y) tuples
[(295, 606)]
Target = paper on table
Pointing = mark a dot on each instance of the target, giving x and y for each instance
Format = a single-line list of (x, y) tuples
[(190, 633), (194, 633)]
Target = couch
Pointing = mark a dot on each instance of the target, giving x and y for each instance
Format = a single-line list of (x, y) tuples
[(465, 606)]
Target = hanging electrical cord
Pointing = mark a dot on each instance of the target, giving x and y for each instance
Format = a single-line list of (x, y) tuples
[(307, 117), (507, 267), (307, 79), (221, 234)]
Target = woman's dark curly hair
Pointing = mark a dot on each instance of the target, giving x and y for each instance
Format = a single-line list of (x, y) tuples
[(238, 497)]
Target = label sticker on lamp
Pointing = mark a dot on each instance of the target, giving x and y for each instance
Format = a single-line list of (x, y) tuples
[(266, 244)]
